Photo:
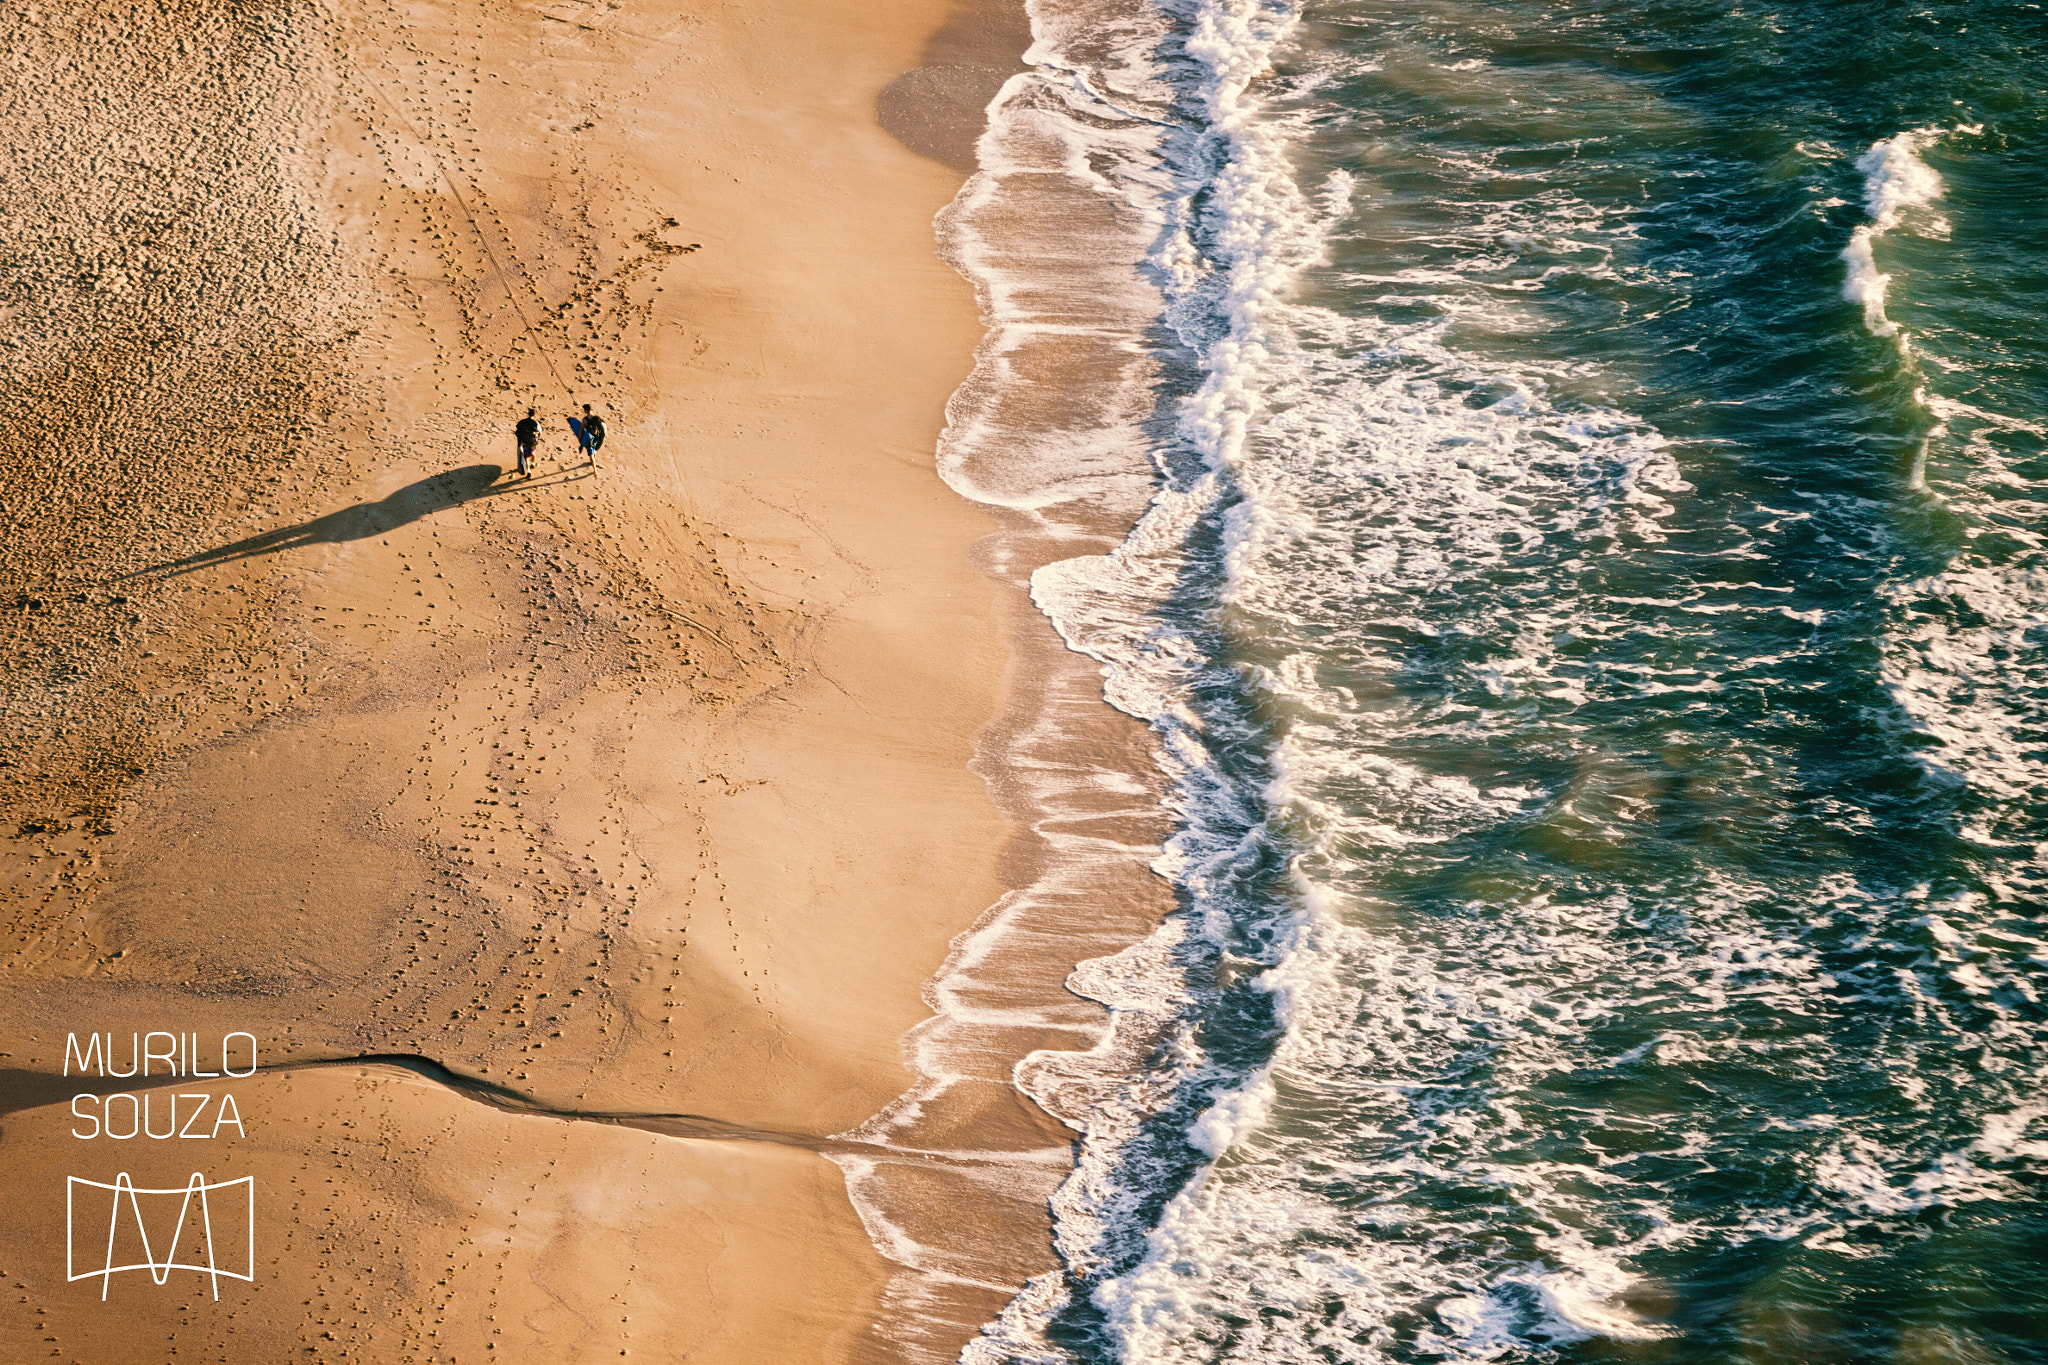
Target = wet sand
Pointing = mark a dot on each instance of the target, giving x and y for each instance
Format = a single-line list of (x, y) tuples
[(494, 811)]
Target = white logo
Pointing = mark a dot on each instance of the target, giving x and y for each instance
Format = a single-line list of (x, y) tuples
[(242, 1210)]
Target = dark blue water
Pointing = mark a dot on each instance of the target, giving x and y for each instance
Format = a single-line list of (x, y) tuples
[(1604, 672)]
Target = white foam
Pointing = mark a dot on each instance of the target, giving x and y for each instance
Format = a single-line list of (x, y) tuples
[(1052, 232), (1358, 470), (1444, 466), (1965, 637), (1895, 183)]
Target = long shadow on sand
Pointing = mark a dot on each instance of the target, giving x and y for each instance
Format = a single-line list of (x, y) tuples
[(438, 493)]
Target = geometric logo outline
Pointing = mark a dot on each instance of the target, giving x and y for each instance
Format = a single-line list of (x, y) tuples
[(159, 1271)]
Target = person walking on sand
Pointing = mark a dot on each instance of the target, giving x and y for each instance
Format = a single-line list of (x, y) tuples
[(589, 429), (528, 432)]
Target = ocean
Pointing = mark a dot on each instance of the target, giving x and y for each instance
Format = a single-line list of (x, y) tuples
[(1564, 485)]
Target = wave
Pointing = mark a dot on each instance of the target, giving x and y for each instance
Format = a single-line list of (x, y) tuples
[(1896, 182), (1052, 430), (1961, 661), (1524, 943), (1466, 462)]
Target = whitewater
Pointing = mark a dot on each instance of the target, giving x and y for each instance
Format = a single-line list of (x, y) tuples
[(1562, 490)]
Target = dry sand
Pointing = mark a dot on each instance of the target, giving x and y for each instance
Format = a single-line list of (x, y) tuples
[(633, 790)]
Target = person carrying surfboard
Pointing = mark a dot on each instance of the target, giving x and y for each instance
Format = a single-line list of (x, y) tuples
[(589, 429), (528, 432)]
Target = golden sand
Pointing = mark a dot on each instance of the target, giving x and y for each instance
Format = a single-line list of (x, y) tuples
[(637, 790)]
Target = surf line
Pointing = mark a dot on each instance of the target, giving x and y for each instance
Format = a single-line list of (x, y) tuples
[(455, 192)]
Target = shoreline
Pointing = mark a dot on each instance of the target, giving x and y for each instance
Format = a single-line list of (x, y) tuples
[(1031, 1028), (614, 789)]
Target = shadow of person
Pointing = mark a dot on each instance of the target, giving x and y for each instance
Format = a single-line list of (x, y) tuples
[(438, 493)]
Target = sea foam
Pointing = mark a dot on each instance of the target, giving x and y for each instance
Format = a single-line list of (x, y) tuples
[(1481, 726), (1895, 183)]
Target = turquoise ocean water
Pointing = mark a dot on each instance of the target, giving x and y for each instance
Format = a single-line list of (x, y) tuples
[(1592, 602)]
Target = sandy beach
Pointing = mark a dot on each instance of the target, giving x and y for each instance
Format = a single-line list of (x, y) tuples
[(575, 850)]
